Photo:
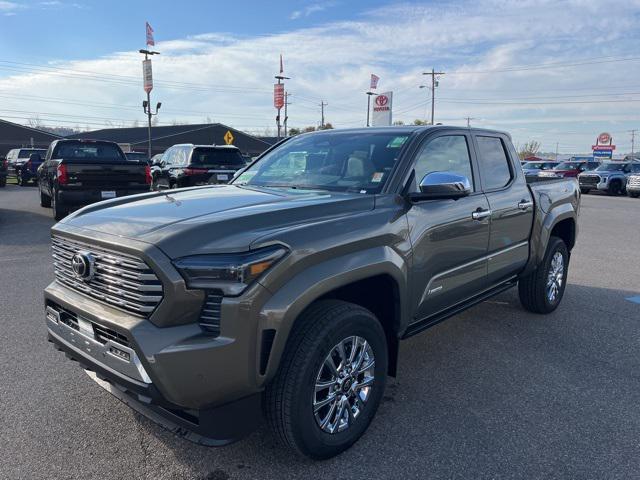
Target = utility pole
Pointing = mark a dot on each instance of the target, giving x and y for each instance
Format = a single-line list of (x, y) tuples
[(633, 142), (148, 86), (286, 116), (278, 97), (434, 84), (557, 144), (322, 105), (468, 119)]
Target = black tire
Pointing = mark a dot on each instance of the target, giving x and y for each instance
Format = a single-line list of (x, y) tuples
[(3, 182), (584, 191), (615, 188), (533, 288), (59, 210), (633, 194), (289, 397), (45, 200)]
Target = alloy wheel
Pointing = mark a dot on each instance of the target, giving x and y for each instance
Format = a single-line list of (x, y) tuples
[(555, 276)]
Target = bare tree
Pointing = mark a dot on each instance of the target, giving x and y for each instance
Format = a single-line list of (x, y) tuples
[(529, 149), (35, 122)]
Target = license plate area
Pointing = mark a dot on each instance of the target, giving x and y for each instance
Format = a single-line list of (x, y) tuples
[(105, 194)]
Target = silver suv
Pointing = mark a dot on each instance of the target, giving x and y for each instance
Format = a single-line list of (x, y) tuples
[(633, 185)]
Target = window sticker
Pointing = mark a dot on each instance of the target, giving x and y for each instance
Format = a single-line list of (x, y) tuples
[(377, 177), (397, 142)]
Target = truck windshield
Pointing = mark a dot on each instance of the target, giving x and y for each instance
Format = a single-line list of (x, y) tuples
[(337, 161), (88, 151), (228, 157), (611, 167)]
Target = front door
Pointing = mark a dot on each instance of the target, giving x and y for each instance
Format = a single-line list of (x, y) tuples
[(449, 237)]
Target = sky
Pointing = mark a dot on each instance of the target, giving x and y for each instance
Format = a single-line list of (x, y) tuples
[(558, 72)]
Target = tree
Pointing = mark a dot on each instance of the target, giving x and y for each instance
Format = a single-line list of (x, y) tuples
[(398, 122), (294, 131), (327, 126), (35, 122), (308, 129), (417, 121), (529, 149)]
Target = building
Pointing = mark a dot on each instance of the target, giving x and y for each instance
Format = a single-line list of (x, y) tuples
[(163, 137), (13, 135)]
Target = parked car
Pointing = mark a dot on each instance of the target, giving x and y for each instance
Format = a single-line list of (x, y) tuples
[(609, 177), (188, 165), (4, 166), (569, 169), (76, 173), (289, 290), (17, 156), (533, 169), (138, 156), (633, 185), (27, 172)]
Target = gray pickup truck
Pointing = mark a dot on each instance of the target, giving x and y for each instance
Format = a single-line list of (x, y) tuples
[(285, 294)]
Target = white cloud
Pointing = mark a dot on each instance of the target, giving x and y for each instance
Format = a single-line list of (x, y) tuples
[(310, 9), (229, 78)]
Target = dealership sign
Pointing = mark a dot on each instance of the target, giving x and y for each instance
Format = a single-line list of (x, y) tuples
[(147, 75), (604, 146), (382, 107), (278, 95)]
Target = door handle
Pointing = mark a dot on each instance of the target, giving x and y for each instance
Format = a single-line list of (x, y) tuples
[(525, 204), (480, 213)]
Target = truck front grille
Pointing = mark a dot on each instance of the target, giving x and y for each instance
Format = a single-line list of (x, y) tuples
[(634, 181), (119, 279), (210, 314), (589, 179)]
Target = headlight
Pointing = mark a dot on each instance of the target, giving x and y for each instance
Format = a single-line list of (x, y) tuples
[(229, 272), (603, 178)]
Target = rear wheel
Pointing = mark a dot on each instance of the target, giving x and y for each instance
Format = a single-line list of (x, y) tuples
[(542, 290), (633, 194), (331, 379), (59, 209), (615, 188), (584, 191), (45, 200)]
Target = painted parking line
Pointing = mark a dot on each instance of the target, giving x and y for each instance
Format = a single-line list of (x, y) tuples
[(635, 299)]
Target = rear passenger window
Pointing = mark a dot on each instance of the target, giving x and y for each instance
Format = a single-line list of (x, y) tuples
[(495, 169)]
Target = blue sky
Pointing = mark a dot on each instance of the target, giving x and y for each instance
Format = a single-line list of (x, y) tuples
[(553, 71)]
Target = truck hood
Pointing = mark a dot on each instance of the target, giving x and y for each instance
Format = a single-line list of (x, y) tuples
[(217, 218)]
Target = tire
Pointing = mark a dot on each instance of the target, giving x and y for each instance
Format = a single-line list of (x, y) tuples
[(290, 397), (3, 182), (59, 212), (633, 194), (615, 188), (45, 200), (534, 290), (19, 180), (584, 191)]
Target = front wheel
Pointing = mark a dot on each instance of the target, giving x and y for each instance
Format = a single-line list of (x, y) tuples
[(541, 291), (633, 194), (331, 379), (584, 191), (3, 182)]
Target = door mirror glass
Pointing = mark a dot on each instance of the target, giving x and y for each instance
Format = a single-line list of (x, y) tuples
[(438, 185)]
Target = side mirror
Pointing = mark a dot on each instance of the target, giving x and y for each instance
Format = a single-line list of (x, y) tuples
[(439, 185), (35, 157)]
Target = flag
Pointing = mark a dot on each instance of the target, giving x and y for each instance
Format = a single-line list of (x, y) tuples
[(281, 65), (150, 40), (374, 81)]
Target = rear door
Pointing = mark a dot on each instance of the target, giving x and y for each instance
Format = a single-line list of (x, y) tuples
[(511, 205), (449, 244)]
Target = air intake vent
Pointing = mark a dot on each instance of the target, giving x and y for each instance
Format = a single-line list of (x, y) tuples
[(210, 314)]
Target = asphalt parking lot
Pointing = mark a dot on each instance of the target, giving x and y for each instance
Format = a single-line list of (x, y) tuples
[(493, 393)]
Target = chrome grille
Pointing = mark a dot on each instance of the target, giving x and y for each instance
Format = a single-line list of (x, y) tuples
[(120, 279), (634, 181)]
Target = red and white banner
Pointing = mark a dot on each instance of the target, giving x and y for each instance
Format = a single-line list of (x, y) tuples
[(147, 75), (382, 107), (374, 81), (278, 95), (150, 40)]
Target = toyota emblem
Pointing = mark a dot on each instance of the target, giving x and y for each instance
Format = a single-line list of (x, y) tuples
[(83, 265), (382, 100)]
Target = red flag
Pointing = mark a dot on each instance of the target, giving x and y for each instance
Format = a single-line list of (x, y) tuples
[(150, 40), (281, 65), (374, 81)]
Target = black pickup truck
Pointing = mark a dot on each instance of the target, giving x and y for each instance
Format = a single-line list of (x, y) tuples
[(79, 172), (288, 290)]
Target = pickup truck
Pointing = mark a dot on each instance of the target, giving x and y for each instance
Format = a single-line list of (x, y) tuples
[(79, 172), (288, 290), (609, 177), (28, 171)]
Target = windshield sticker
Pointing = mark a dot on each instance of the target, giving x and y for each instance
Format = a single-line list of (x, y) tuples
[(396, 142), (246, 176), (377, 177)]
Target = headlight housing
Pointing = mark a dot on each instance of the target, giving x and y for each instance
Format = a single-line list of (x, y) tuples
[(231, 273)]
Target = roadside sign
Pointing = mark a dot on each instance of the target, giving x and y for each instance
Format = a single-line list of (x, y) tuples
[(604, 146), (604, 138), (147, 75), (603, 154), (278, 95), (228, 137), (382, 107)]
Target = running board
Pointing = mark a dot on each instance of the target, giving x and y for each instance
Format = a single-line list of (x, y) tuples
[(429, 322)]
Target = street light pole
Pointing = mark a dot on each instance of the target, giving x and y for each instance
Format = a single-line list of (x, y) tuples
[(148, 86)]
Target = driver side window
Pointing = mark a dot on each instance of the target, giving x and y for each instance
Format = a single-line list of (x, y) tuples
[(449, 153)]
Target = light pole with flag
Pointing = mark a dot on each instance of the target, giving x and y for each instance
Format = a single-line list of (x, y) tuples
[(372, 86), (147, 74), (278, 94)]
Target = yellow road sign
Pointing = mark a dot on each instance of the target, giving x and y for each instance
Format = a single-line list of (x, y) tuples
[(228, 137)]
